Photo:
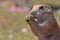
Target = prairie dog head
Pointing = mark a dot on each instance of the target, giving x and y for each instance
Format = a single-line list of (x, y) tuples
[(41, 10)]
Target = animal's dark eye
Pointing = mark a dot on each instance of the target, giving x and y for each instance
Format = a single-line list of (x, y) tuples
[(41, 7)]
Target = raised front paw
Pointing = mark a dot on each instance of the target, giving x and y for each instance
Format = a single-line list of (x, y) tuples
[(28, 18)]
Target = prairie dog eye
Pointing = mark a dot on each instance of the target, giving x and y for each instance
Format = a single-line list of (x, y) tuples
[(41, 7)]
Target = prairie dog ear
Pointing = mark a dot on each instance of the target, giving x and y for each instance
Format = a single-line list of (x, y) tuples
[(48, 8)]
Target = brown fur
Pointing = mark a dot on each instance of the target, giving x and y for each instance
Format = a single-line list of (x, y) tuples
[(49, 30)]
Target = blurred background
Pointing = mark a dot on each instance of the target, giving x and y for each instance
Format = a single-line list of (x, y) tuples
[(12, 18)]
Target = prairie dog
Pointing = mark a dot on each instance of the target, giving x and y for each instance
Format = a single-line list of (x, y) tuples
[(43, 23)]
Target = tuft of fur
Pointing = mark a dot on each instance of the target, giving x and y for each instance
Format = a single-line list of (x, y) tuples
[(43, 23)]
